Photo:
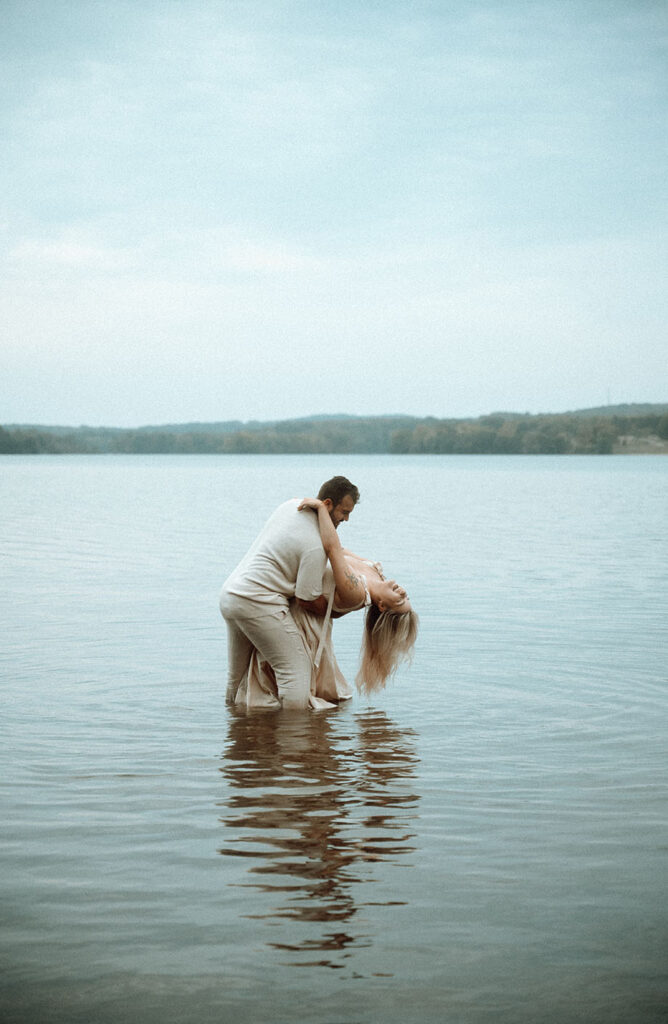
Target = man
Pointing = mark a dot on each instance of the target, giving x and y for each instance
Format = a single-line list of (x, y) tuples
[(287, 560)]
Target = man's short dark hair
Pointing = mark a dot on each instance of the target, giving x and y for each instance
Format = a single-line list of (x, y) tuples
[(336, 490)]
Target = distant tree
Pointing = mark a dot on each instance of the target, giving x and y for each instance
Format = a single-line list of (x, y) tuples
[(7, 443), (662, 427), (400, 441)]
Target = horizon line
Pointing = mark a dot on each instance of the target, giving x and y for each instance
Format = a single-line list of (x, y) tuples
[(331, 416)]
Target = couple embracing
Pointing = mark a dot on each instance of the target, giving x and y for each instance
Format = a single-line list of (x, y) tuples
[(279, 602)]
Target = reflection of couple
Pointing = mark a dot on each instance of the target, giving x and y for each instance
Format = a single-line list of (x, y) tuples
[(313, 813), (279, 601)]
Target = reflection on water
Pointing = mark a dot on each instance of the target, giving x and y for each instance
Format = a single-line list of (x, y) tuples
[(317, 803)]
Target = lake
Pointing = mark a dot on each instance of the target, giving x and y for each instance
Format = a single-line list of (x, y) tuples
[(483, 842)]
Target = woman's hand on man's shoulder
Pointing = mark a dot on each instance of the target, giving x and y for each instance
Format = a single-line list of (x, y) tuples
[(313, 503)]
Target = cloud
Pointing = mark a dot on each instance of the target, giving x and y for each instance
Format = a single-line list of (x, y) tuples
[(37, 256), (413, 208)]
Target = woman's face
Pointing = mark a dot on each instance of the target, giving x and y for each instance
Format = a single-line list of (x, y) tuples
[(393, 598)]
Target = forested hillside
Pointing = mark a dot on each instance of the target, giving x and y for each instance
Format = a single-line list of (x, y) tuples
[(618, 429)]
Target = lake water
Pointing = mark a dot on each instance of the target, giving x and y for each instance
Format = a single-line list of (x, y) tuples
[(484, 842)]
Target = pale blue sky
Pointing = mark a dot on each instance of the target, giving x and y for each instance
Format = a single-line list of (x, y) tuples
[(258, 210)]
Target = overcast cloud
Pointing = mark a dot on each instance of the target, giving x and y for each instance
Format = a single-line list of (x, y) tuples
[(259, 210)]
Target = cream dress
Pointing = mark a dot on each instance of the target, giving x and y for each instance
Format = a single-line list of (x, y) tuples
[(328, 684)]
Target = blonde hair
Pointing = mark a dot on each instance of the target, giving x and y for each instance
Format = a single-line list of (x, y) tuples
[(388, 640)]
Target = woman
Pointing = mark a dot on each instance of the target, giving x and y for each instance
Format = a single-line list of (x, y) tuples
[(390, 627), (353, 583)]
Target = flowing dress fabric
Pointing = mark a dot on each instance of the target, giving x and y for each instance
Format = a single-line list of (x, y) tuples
[(328, 684)]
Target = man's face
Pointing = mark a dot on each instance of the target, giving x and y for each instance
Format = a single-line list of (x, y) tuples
[(339, 513)]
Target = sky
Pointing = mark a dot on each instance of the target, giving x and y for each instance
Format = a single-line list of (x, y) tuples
[(266, 209)]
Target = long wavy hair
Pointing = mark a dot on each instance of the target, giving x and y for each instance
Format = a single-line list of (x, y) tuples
[(388, 640)]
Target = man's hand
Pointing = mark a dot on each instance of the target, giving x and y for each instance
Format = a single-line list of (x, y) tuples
[(317, 607)]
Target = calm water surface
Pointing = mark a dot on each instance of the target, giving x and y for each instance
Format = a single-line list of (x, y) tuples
[(486, 841)]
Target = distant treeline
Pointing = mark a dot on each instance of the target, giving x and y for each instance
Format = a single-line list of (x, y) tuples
[(589, 431), (499, 434)]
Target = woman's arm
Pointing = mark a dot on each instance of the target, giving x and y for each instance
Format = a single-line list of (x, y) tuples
[(349, 587), (351, 554)]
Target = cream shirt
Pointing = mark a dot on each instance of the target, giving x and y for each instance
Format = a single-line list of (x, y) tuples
[(286, 560)]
